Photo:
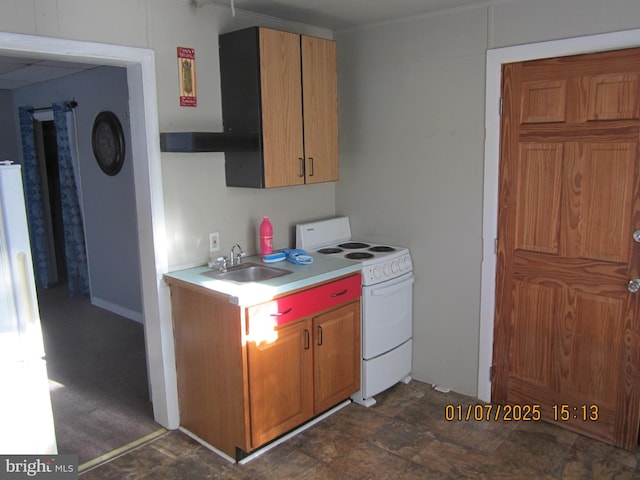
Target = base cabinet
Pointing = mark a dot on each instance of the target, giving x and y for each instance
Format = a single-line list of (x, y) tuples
[(249, 375), (313, 365), (280, 382), (336, 357)]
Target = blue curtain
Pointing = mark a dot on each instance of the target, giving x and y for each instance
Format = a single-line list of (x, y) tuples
[(74, 244), (74, 249), (33, 194)]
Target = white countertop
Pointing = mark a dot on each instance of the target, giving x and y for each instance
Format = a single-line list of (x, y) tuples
[(322, 269)]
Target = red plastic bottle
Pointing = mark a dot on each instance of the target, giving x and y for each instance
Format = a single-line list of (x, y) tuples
[(266, 237)]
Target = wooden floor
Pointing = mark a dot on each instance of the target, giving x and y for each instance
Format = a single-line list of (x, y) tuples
[(404, 436)]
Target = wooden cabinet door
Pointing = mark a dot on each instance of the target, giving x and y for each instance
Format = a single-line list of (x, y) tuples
[(284, 87), (320, 100), (336, 355), (567, 333), (280, 380), (281, 90)]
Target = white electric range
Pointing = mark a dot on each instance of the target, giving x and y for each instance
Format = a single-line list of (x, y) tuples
[(386, 307)]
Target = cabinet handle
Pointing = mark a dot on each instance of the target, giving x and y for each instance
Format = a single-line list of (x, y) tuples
[(319, 335), (307, 343), (301, 167), (339, 294), (312, 167), (279, 314)]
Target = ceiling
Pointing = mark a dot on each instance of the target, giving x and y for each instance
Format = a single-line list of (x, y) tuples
[(340, 14), (16, 72)]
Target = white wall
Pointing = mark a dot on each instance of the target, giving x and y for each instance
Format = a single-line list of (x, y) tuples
[(411, 120), (412, 113), (412, 138), (196, 198)]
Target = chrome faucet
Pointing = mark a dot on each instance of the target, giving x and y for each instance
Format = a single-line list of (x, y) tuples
[(236, 259), (221, 263)]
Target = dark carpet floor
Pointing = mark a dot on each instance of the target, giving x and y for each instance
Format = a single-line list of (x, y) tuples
[(97, 371)]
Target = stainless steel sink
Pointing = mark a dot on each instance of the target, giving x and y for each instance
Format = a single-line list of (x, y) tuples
[(248, 272)]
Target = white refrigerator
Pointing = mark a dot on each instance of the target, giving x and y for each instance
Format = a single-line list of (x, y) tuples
[(26, 419)]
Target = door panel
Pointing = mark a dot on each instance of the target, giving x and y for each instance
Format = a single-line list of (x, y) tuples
[(281, 107), (280, 379), (607, 200), (531, 346), (320, 94), (544, 101), (591, 366), (540, 169), (566, 327), (336, 355), (613, 97)]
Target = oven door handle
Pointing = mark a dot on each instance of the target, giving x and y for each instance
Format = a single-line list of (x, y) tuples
[(392, 288)]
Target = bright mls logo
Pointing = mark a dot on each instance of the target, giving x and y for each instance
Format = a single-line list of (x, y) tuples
[(50, 467)]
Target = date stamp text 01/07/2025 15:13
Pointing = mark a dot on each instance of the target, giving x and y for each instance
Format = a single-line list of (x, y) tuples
[(518, 413)]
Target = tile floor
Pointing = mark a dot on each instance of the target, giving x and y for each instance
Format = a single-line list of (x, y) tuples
[(403, 436)]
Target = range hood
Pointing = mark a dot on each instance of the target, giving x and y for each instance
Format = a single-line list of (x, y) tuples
[(192, 142)]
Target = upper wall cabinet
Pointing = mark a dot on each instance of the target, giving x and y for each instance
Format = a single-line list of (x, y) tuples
[(282, 87)]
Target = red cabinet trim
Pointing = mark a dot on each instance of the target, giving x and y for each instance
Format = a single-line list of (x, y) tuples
[(299, 305)]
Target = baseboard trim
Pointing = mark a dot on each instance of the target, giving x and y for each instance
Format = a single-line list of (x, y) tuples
[(117, 309), (274, 443), (206, 444)]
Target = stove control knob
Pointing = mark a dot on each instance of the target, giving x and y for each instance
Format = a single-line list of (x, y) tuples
[(395, 268), (377, 272), (387, 269)]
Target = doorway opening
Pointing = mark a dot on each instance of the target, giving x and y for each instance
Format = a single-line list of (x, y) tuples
[(47, 148), (95, 358), (140, 66), (571, 200), (495, 60)]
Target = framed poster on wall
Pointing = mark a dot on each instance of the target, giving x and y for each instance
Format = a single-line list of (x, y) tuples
[(187, 77)]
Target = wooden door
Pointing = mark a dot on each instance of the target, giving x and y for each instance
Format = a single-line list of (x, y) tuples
[(280, 380), (281, 108), (566, 327), (336, 357), (320, 100)]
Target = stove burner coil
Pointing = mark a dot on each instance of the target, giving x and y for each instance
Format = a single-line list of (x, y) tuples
[(330, 250), (382, 248), (354, 245), (359, 255)]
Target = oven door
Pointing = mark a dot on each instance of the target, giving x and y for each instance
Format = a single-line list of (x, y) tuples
[(387, 315)]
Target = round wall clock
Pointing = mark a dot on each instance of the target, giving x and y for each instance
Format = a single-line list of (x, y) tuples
[(107, 140)]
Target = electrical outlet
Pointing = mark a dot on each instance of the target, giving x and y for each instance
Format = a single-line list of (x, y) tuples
[(214, 241)]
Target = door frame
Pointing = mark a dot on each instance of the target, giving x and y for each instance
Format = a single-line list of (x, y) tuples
[(495, 59), (147, 174)]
